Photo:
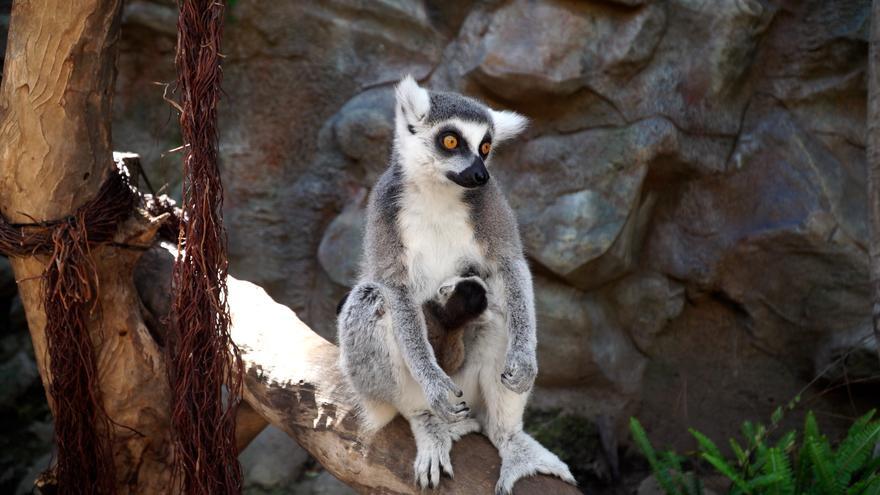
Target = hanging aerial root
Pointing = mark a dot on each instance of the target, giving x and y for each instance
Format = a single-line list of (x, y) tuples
[(203, 421)]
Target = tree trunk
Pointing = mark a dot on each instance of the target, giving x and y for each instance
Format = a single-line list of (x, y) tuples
[(874, 166), (55, 153)]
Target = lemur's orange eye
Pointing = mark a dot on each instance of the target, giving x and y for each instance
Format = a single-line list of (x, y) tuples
[(450, 142), (485, 148)]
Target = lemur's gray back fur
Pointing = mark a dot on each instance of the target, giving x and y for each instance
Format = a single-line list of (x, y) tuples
[(383, 247)]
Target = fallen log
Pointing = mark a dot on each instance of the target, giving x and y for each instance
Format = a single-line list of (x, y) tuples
[(292, 381)]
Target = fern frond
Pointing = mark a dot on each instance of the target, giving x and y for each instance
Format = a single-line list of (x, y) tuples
[(779, 465), (864, 485), (706, 444), (661, 471), (804, 471), (721, 465), (786, 443), (760, 484), (741, 457), (823, 465), (776, 417), (856, 449)]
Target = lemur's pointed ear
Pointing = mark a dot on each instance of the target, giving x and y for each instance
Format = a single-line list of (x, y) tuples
[(412, 100), (507, 124)]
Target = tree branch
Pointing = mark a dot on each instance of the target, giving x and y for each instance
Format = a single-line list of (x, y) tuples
[(293, 382)]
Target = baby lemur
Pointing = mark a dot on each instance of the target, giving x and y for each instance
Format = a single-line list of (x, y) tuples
[(446, 315), (439, 234)]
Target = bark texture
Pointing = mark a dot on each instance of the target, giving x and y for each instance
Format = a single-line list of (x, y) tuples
[(55, 152)]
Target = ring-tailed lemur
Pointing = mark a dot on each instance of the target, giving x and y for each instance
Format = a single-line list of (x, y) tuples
[(435, 219)]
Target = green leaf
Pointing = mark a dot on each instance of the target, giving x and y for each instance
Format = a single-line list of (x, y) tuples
[(764, 481), (724, 468), (741, 457), (811, 428), (660, 469), (779, 466), (776, 417), (856, 449), (786, 443), (862, 486), (804, 472), (823, 467), (706, 444)]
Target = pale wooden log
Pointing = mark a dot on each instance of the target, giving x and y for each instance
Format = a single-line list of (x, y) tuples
[(292, 380)]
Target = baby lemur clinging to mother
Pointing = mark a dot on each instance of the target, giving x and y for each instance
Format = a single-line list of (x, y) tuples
[(440, 234), (446, 316)]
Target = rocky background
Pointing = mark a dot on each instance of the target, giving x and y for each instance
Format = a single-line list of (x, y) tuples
[(691, 194)]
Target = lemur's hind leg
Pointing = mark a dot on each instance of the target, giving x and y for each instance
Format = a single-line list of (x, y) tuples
[(521, 455), (434, 439), (364, 329)]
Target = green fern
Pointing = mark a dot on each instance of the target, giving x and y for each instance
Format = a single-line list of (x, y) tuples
[(784, 467), (779, 465), (661, 471), (856, 449)]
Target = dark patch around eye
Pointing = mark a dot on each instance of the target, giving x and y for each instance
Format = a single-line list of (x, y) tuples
[(461, 144), (411, 129), (487, 140)]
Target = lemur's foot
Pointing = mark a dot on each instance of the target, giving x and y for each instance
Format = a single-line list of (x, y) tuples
[(523, 456), (434, 438)]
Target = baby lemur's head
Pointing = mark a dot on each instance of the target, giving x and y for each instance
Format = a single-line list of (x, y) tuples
[(446, 137)]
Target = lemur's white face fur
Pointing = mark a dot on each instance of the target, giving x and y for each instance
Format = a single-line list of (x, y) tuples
[(446, 138)]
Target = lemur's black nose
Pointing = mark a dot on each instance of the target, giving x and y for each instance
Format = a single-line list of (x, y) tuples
[(475, 175), (481, 177)]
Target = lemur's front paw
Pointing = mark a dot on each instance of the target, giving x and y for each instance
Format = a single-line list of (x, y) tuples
[(520, 372), (438, 401)]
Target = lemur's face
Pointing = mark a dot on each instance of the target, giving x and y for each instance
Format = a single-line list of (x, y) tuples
[(448, 138)]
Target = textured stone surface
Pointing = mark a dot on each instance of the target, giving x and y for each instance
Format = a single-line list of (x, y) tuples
[(272, 461), (684, 156), (577, 194), (514, 60), (580, 341), (645, 302)]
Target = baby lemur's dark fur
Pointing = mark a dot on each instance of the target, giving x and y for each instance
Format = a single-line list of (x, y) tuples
[(446, 321)]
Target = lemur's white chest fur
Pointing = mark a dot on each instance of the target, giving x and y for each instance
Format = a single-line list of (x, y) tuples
[(436, 230)]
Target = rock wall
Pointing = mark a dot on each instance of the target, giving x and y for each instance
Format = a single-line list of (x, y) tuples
[(691, 191)]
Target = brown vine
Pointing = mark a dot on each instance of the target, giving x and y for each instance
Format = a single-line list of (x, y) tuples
[(203, 421)]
